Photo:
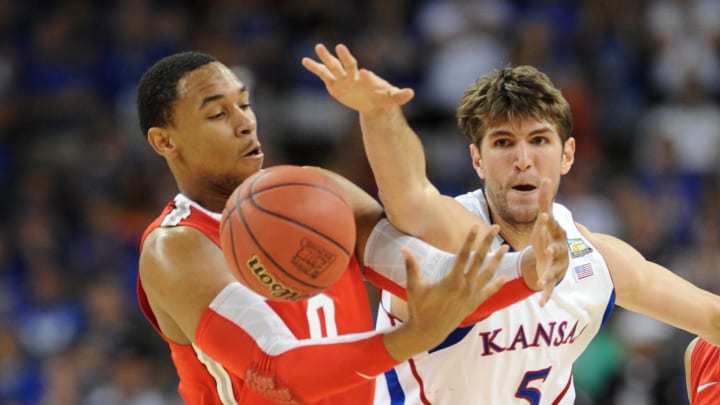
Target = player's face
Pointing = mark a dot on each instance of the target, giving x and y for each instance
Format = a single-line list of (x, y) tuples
[(216, 127), (512, 159)]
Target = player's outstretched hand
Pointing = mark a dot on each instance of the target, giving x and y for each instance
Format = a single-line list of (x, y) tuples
[(436, 309), (359, 89), (549, 242)]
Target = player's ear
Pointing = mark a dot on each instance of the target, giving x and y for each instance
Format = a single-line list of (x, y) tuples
[(160, 140), (477, 161), (568, 156)]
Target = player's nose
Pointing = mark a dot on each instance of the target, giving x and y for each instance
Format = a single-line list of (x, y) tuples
[(244, 121), (523, 159)]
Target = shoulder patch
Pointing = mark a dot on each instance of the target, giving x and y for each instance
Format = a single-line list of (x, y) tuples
[(578, 247)]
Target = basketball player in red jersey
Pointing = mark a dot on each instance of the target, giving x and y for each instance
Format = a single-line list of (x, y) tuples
[(702, 372), (229, 345)]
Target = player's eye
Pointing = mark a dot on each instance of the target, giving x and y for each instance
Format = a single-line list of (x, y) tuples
[(219, 115), (502, 142)]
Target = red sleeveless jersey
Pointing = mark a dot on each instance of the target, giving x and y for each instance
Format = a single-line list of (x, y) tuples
[(204, 381), (705, 374)]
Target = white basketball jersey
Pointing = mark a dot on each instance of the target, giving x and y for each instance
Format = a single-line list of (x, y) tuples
[(522, 354)]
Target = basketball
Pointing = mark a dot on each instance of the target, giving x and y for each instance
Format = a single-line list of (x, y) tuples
[(287, 233)]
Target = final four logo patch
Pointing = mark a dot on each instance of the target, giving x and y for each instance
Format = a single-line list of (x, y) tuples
[(578, 248)]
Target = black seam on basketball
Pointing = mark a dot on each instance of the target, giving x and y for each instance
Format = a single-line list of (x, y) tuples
[(225, 216), (251, 198), (330, 190), (234, 255), (275, 263)]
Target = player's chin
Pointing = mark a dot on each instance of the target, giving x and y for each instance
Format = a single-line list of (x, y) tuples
[(251, 164), (525, 213)]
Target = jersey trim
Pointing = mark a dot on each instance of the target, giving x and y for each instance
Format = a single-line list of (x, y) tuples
[(223, 383)]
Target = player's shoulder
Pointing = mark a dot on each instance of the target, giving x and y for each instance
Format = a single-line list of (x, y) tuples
[(475, 202), (168, 251), (167, 242)]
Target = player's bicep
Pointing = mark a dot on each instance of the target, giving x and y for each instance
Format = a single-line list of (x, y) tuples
[(181, 272), (627, 267)]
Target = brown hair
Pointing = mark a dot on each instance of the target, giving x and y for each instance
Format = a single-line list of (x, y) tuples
[(508, 94)]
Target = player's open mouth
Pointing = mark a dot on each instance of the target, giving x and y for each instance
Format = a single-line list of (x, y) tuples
[(524, 187), (254, 152)]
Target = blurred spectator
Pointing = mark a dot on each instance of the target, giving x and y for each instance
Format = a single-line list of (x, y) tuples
[(50, 321), (20, 381), (461, 40), (131, 378), (685, 37)]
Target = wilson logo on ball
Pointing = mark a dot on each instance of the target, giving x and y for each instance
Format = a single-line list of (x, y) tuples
[(312, 259), (277, 290), (287, 233)]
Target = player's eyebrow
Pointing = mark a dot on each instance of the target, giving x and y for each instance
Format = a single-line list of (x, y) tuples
[(209, 99), (502, 132)]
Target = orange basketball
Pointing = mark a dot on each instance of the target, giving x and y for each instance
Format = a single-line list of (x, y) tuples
[(287, 233)]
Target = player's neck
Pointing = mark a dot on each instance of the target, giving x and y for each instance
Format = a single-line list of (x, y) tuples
[(515, 235), (517, 240), (210, 195), (211, 201)]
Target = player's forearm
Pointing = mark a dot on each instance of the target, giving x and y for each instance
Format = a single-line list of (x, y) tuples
[(397, 159), (386, 268)]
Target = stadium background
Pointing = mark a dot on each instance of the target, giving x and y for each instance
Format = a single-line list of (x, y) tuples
[(79, 183)]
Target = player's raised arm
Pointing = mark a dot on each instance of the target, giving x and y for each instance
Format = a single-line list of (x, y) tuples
[(395, 153), (397, 159)]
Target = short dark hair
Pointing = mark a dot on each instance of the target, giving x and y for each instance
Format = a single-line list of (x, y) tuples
[(157, 91)]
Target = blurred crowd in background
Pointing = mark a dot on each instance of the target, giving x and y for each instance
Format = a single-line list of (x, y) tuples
[(79, 183)]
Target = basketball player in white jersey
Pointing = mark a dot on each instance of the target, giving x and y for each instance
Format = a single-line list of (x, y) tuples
[(519, 130)]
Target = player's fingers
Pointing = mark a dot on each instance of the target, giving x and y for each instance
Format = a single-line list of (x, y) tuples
[(558, 259), (544, 219), (482, 250), (367, 78), (332, 63), (348, 60), (488, 270), (319, 70), (462, 257), (556, 231), (491, 288), (487, 240), (546, 294), (553, 274), (403, 96), (412, 270), (545, 195)]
